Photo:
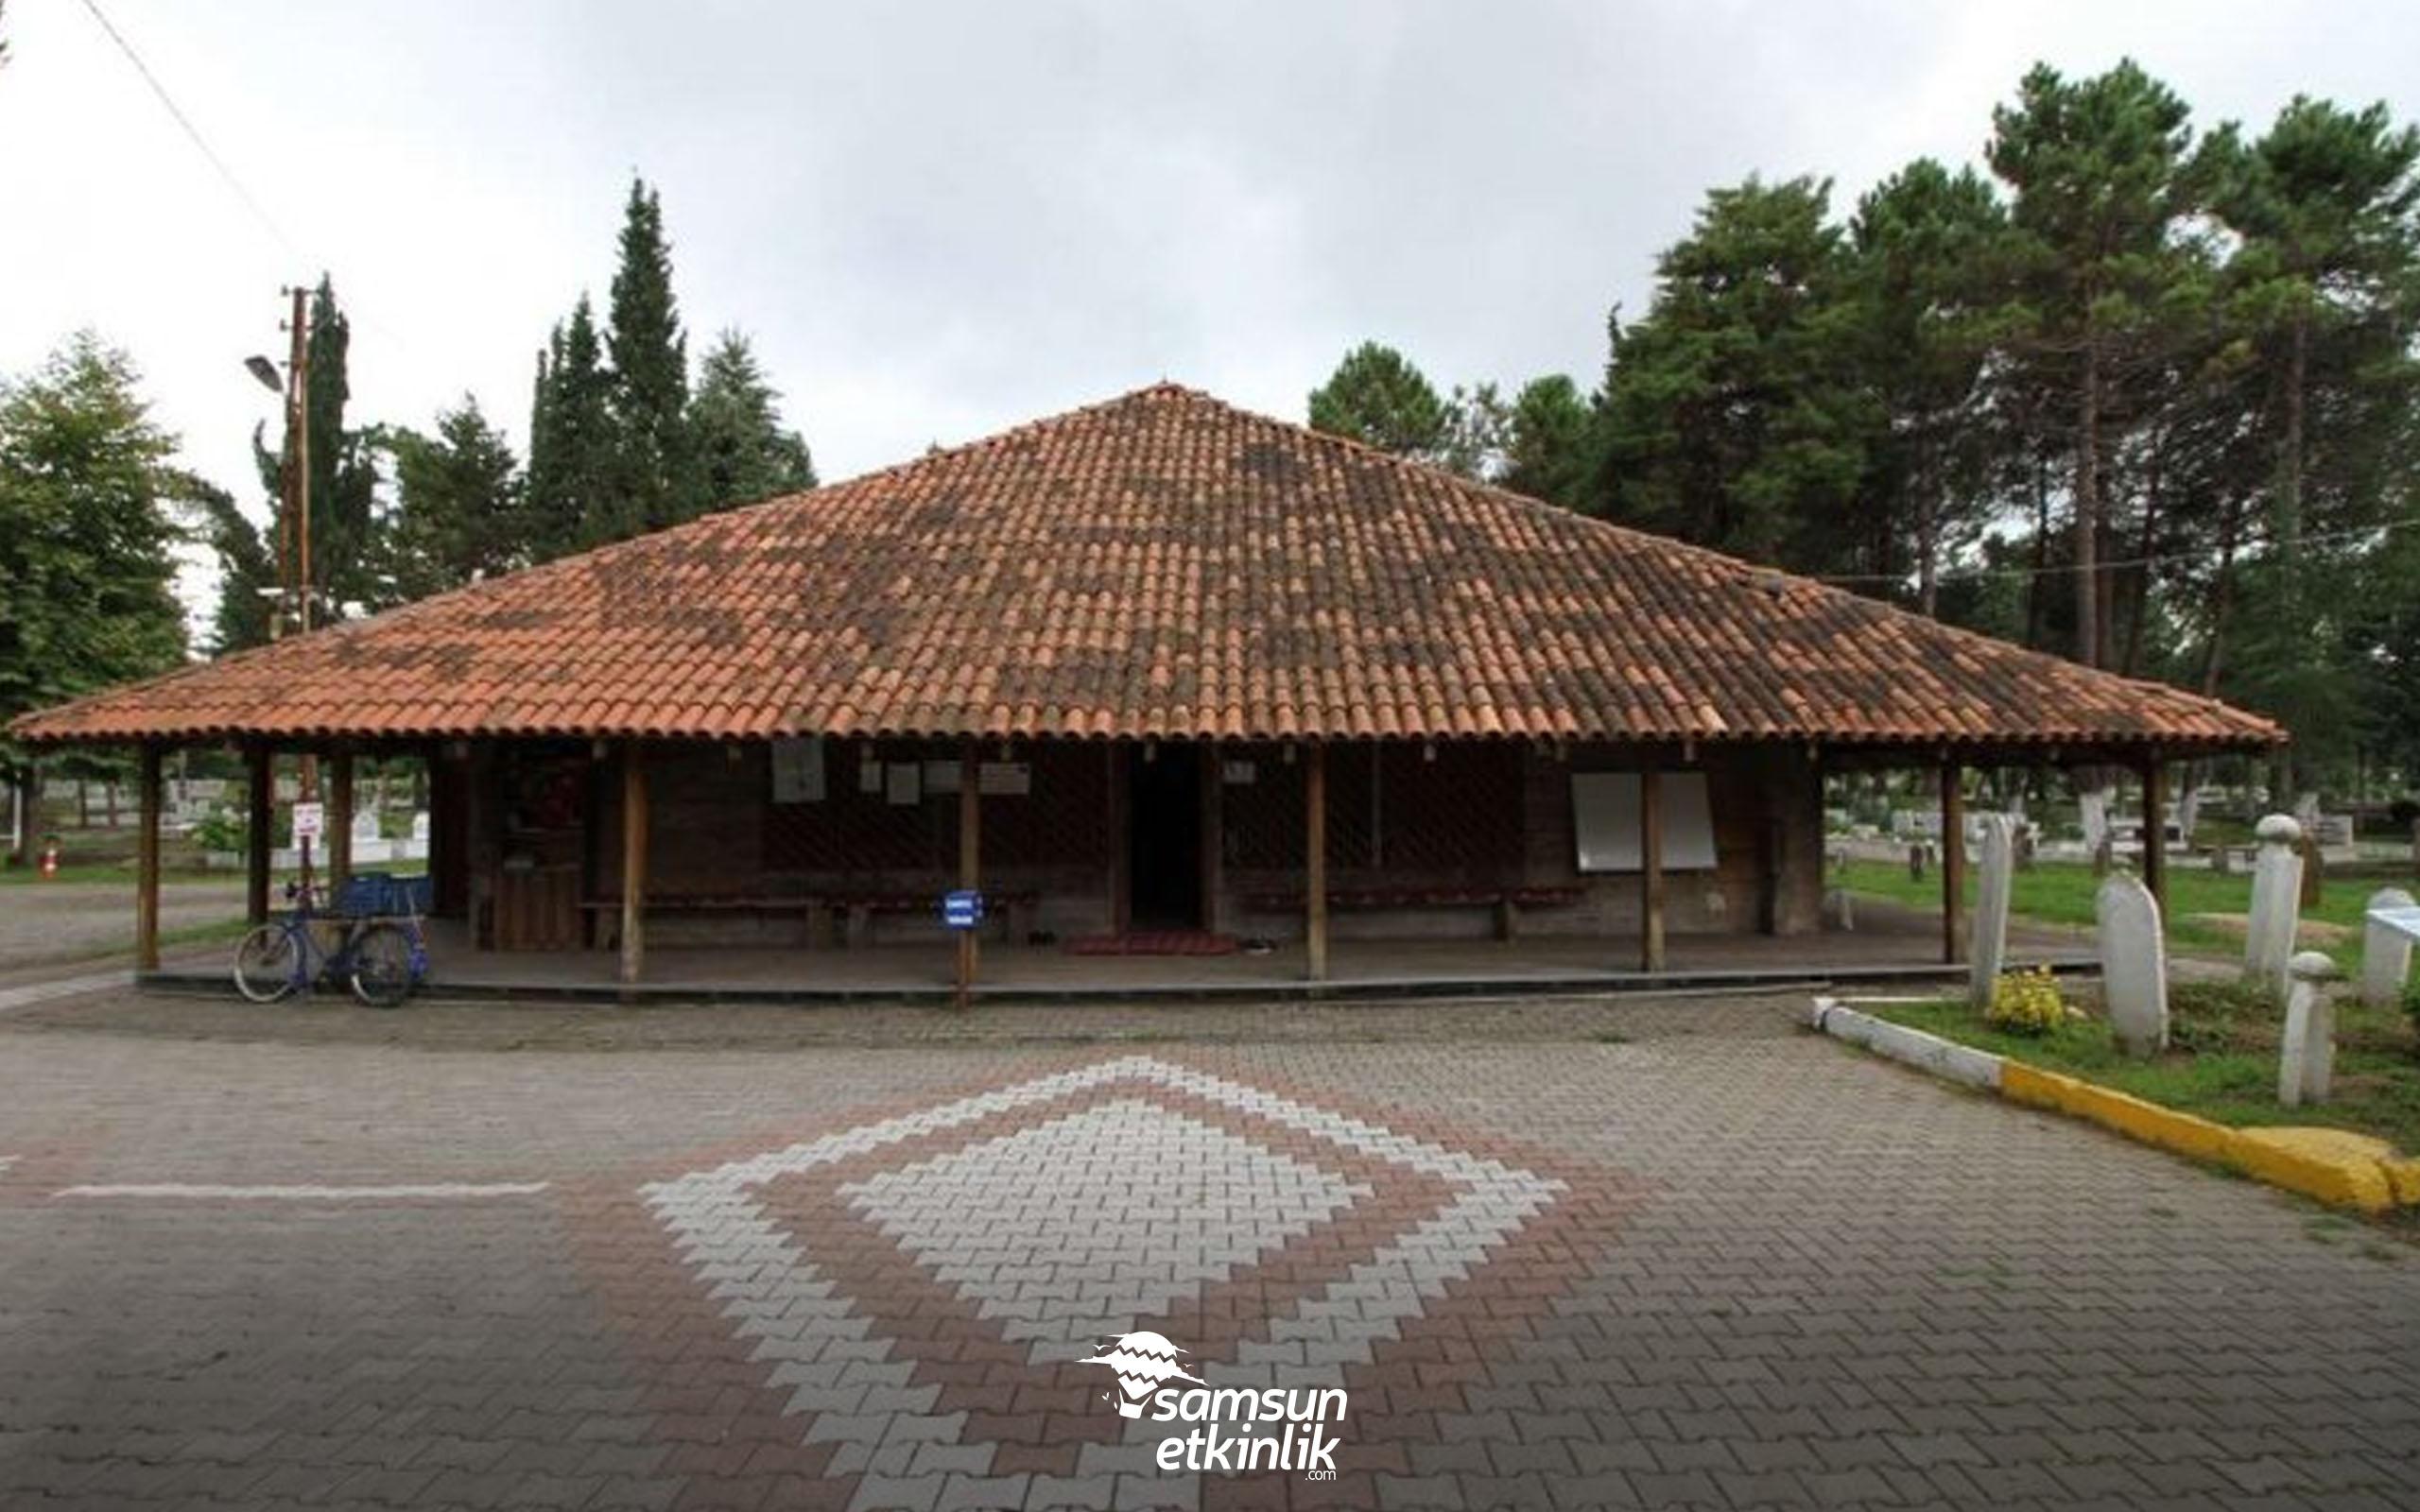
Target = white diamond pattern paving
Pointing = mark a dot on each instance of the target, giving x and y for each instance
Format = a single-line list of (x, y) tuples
[(1071, 1231)]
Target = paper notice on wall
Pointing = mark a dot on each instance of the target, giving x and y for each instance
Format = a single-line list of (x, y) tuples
[(869, 774), (942, 776), (798, 772), (1011, 778), (903, 782), (310, 821)]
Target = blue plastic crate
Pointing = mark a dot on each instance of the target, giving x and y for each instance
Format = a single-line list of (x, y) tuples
[(370, 893)]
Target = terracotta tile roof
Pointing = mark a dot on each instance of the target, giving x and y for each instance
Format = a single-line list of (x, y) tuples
[(1162, 564)]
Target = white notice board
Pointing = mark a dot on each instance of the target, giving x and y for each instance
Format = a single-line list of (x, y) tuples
[(798, 772), (1604, 812)]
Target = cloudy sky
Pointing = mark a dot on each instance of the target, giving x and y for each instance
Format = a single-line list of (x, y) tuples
[(939, 220)]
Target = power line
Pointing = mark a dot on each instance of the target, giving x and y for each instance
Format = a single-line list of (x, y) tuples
[(193, 133), (252, 201), (1953, 575)]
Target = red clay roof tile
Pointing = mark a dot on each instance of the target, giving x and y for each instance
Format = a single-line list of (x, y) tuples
[(1159, 565)]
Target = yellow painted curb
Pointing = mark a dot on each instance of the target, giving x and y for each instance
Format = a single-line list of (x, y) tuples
[(2334, 1165), (2130, 1116), (2345, 1169)]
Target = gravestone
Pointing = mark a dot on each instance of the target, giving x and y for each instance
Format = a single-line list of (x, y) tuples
[(2386, 948), (2092, 811), (1987, 945), (365, 827), (2314, 878), (419, 827), (2277, 903), (2307, 1057), (2134, 965)]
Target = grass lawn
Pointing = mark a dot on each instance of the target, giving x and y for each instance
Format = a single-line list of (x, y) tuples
[(2061, 893), (2221, 1064)]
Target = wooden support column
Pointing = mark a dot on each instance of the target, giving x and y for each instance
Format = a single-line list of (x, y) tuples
[(1315, 858), (970, 862), (146, 864), (1214, 843), (1650, 869), (339, 820), (260, 772), (2155, 832), (1953, 865), (634, 824)]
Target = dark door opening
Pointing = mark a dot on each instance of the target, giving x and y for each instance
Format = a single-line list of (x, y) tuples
[(1164, 837)]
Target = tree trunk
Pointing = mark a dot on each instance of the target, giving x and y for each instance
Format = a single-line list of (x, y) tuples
[(1927, 538), (2221, 598), (2148, 543), (2087, 523), (2033, 588)]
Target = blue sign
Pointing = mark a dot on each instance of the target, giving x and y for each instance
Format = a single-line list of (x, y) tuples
[(961, 910)]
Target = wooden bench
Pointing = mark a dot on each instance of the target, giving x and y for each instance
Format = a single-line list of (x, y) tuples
[(605, 914), (1507, 902)]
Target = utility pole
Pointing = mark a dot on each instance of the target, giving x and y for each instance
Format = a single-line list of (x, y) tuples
[(296, 535)]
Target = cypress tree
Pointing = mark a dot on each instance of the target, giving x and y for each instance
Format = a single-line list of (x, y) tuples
[(650, 377)]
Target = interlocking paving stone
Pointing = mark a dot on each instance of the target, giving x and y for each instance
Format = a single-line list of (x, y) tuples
[(1759, 1271)]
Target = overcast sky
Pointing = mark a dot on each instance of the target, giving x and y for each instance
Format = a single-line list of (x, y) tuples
[(939, 220)]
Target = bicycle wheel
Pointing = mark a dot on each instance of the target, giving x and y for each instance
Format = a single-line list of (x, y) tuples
[(268, 963), (382, 965)]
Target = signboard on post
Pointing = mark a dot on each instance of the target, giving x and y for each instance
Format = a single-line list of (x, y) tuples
[(962, 909), (310, 822)]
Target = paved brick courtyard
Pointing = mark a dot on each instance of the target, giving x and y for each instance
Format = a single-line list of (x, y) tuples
[(1653, 1255)]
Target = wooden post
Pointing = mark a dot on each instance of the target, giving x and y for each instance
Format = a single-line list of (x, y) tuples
[(260, 771), (1121, 900), (1214, 845), (1650, 869), (633, 863), (146, 864), (1315, 858), (340, 821), (970, 862), (1953, 865), (2156, 833)]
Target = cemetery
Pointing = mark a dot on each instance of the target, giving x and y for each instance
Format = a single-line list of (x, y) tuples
[(2293, 1064)]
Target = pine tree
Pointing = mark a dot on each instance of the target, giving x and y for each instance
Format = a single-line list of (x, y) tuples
[(2105, 182), (572, 456), (1733, 414), (648, 356), (1925, 243), (740, 450), (1550, 443), (1378, 397), (459, 504)]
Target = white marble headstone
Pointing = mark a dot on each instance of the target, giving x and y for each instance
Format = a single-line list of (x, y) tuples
[(2307, 1057), (2386, 947), (2277, 903), (2134, 965), (1987, 945)]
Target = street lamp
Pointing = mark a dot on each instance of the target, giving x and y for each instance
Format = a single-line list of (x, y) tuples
[(266, 370)]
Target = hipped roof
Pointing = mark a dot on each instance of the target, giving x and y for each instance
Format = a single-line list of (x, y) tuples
[(1160, 565)]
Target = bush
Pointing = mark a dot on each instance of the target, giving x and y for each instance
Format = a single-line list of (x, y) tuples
[(223, 829), (2026, 1003)]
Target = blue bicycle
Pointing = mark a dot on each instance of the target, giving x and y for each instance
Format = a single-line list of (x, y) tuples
[(379, 949)]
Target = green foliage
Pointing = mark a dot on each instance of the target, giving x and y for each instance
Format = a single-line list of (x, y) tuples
[(459, 515), (652, 482), (740, 447), (2026, 1003), (1376, 397), (1731, 420), (572, 448), (86, 568), (1550, 442)]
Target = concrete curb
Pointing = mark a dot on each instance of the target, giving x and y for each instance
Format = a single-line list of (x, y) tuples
[(1925, 1052), (2332, 1165)]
